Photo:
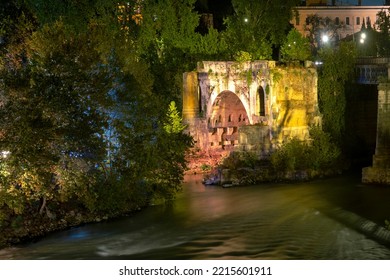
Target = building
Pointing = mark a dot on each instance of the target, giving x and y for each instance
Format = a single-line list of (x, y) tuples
[(349, 18)]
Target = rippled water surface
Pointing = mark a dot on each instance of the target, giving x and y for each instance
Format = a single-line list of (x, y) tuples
[(325, 219)]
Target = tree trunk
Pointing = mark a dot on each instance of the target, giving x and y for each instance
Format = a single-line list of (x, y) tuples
[(43, 206)]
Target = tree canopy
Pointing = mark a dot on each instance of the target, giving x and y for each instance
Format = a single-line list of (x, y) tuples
[(296, 47), (83, 114), (256, 26)]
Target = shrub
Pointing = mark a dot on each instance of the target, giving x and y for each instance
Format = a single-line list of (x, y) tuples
[(324, 154), (319, 154), (292, 156), (240, 159)]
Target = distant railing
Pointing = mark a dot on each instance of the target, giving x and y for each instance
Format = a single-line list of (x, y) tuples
[(372, 60), (369, 74), (369, 69)]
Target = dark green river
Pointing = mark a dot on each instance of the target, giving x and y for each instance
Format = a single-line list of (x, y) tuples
[(335, 218)]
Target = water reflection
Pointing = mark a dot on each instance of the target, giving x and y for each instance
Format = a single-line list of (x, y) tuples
[(317, 220)]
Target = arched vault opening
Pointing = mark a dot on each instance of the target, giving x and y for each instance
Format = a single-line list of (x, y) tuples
[(227, 114), (228, 111)]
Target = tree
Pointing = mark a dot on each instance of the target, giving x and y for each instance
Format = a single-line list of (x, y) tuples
[(52, 119), (256, 26), (296, 47), (174, 123), (383, 25), (16, 26), (82, 116), (318, 27), (167, 42), (338, 64)]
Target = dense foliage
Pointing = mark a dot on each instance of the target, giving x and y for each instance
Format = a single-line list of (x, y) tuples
[(296, 47), (382, 36), (320, 154), (84, 112), (337, 68), (257, 26)]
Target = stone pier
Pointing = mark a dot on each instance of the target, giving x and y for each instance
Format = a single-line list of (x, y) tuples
[(379, 172)]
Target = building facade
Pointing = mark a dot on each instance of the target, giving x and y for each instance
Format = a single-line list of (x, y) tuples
[(349, 18)]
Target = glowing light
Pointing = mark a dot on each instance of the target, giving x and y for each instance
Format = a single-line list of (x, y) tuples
[(4, 154), (246, 20), (325, 38), (362, 38)]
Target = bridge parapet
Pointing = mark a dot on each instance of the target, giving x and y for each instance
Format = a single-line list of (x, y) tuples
[(368, 70), (370, 74)]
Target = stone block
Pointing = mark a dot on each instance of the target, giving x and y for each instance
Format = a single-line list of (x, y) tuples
[(373, 175)]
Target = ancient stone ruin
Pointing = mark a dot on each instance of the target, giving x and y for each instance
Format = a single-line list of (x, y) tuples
[(250, 106)]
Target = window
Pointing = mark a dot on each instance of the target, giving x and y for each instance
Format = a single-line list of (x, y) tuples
[(307, 21), (337, 20), (347, 20), (357, 20), (262, 101), (297, 20)]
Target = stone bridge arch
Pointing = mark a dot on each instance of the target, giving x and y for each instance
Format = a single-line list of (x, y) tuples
[(227, 109), (264, 94), (242, 79)]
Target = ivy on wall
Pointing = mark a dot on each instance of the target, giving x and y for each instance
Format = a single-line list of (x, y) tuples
[(336, 70)]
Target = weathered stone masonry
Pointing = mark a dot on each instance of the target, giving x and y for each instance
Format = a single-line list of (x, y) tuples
[(249, 106), (380, 171)]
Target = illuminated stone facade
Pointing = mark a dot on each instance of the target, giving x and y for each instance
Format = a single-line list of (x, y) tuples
[(252, 105)]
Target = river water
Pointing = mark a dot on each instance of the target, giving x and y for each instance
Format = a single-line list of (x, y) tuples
[(324, 219)]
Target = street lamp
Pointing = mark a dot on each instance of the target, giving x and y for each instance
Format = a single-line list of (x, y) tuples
[(362, 37), (325, 38)]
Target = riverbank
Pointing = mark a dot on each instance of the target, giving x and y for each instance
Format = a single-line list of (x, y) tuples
[(235, 168), (32, 227), (204, 162)]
